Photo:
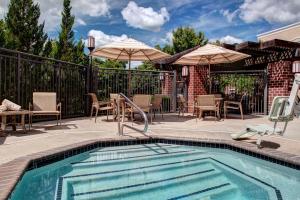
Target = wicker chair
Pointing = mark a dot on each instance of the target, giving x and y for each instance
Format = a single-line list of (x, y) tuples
[(101, 106), (144, 102), (44, 104), (157, 104), (207, 103), (234, 105)]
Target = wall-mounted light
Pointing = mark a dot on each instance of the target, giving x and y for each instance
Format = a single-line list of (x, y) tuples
[(185, 71), (91, 43), (296, 66)]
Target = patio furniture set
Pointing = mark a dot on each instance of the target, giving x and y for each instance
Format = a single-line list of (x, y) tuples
[(43, 104), (150, 104), (210, 103)]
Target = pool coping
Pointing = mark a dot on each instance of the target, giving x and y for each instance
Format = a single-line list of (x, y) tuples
[(12, 172)]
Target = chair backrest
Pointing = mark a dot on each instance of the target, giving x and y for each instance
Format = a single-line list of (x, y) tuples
[(284, 108), (157, 100), (206, 100), (142, 100), (94, 98), (44, 101)]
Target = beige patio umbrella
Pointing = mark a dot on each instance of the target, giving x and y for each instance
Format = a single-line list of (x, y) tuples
[(210, 54), (129, 50)]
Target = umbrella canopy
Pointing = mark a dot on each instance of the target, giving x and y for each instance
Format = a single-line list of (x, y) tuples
[(129, 49), (210, 54)]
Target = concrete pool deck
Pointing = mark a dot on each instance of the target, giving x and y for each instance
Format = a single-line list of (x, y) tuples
[(45, 136)]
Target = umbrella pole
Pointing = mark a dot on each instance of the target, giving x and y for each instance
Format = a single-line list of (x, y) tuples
[(129, 77), (209, 78)]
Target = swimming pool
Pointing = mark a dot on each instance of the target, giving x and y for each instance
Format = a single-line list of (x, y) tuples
[(160, 171)]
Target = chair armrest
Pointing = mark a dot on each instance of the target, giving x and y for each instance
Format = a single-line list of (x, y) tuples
[(58, 107)]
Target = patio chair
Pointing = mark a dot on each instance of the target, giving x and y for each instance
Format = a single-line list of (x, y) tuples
[(283, 109), (100, 106), (157, 104), (207, 103), (44, 104), (182, 105), (143, 102), (234, 105)]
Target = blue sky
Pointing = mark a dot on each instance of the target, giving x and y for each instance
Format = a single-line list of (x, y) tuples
[(153, 21)]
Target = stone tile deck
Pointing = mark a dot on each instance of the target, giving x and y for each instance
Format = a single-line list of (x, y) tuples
[(46, 135)]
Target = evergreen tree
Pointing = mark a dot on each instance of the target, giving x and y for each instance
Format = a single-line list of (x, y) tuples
[(47, 49), (79, 56), (2, 33), (65, 44), (24, 32)]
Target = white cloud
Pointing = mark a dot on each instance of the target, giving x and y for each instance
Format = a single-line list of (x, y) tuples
[(229, 15), (102, 38), (230, 39), (51, 11), (270, 10), (168, 39), (144, 18), (80, 22)]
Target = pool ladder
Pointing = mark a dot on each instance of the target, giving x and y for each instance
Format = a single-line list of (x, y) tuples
[(121, 125)]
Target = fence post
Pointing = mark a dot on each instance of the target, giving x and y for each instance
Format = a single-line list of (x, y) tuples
[(266, 92), (174, 91), (19, 79)]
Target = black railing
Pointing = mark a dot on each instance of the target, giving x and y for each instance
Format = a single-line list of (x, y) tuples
[(22, 74), (112, 80), (249, 87)]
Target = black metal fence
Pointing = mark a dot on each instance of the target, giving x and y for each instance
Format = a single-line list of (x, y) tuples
[(130, 82), (250, 87), (22, 74)]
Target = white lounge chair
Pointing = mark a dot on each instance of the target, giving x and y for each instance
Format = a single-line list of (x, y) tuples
[(283, 109)]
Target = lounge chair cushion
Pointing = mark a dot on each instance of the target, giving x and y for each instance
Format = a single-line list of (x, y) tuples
[(11, 105), (44, 101), (3, 108)]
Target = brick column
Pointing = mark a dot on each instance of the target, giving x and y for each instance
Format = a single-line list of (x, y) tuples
[(280, 77), (167, 85), (196, 84)]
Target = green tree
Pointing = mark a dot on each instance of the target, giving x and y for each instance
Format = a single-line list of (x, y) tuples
[(2, 33), (146, 65), (47, 49), (185, 38), (79, 56), (65, 42), (24, 32)]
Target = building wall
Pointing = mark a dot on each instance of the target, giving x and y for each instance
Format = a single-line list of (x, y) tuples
[(280, 79), (289, 33), (196, 83)]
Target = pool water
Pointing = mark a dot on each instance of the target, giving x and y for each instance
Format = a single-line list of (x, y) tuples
[(160, 171)]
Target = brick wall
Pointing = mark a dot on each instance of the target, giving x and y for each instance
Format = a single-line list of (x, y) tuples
[(280, 77), (167, 85), (196, 84)]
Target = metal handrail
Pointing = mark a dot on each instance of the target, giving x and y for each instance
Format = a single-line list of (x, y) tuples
[(142, 113)]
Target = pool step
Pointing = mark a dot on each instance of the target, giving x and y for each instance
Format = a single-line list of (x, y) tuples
[(193, 184)]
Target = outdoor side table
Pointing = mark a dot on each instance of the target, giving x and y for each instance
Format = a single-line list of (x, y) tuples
[(13, 115)]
